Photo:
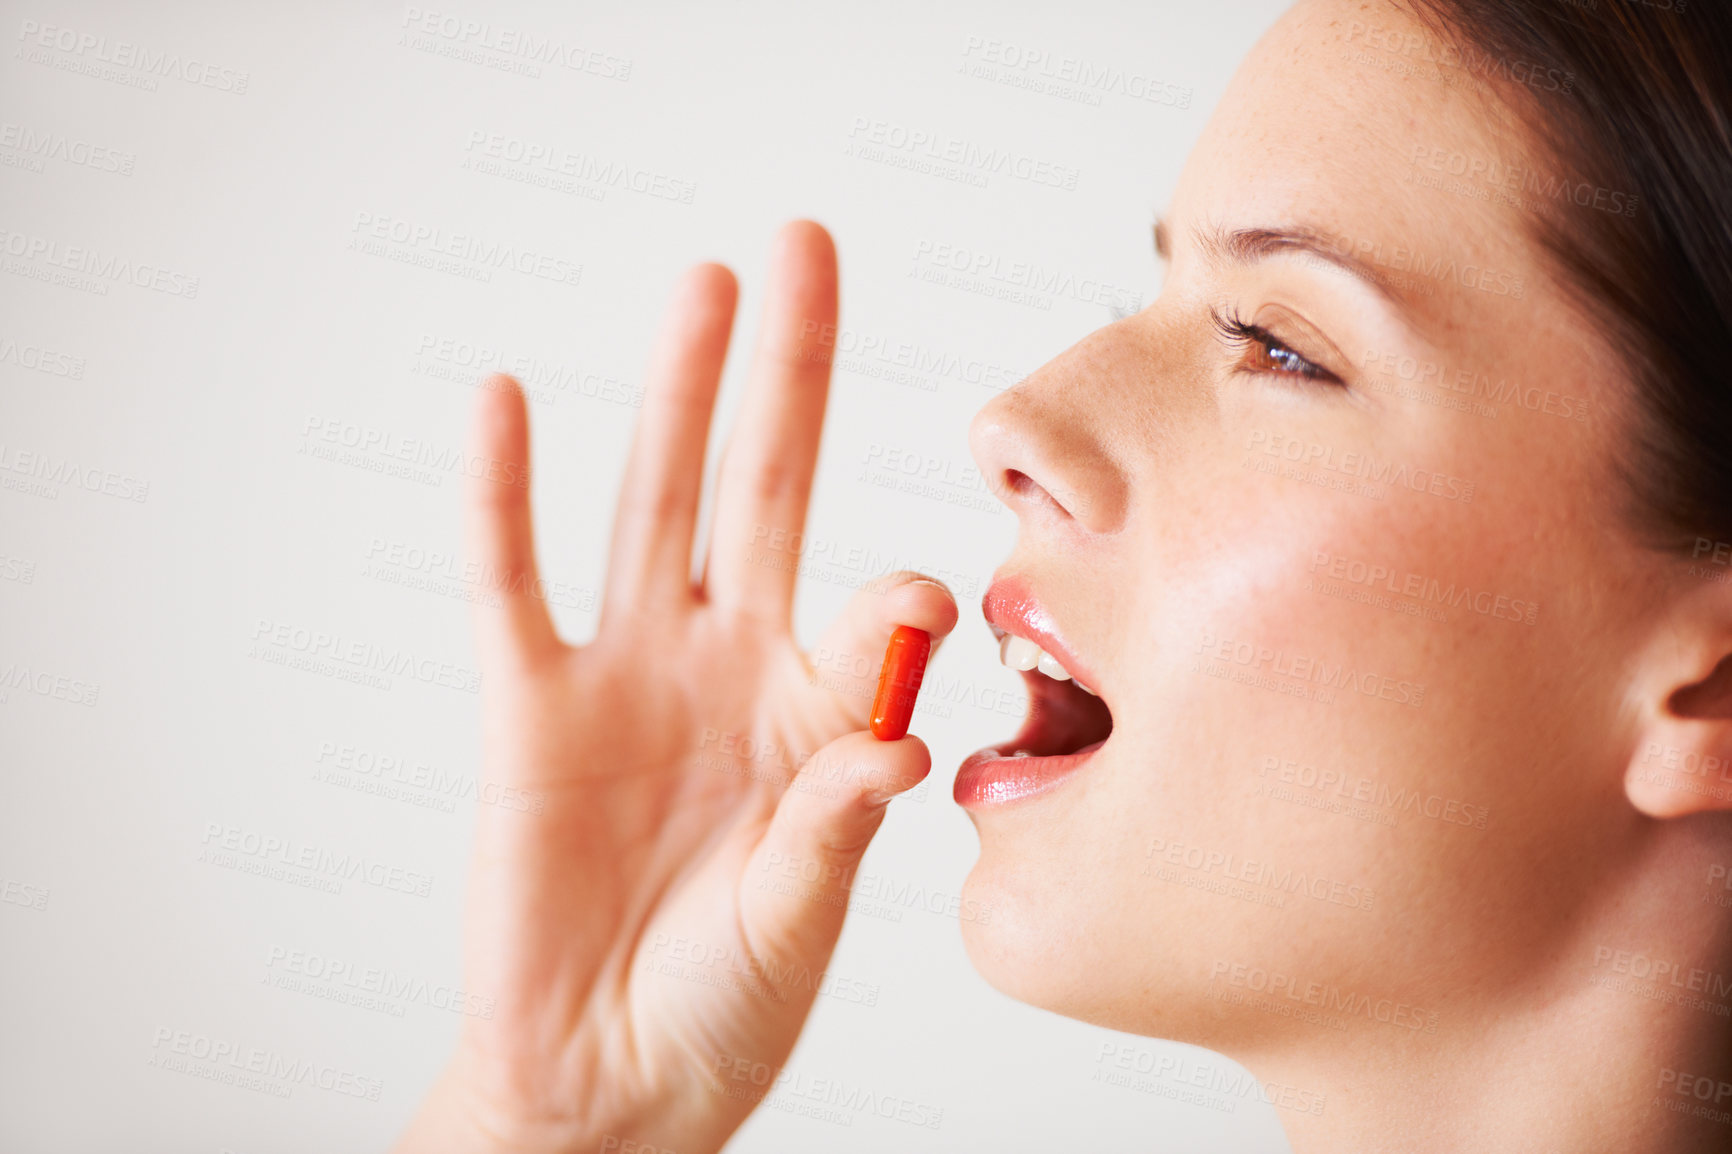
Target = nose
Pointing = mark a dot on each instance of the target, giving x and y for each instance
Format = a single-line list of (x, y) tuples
[(1044, 447)]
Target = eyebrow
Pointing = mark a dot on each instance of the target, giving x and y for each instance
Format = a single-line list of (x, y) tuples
[(1249, 245)]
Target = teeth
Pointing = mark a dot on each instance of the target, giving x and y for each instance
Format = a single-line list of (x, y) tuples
[(1021, 654)]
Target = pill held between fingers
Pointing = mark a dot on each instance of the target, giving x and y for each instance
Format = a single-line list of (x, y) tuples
[(899, 682)]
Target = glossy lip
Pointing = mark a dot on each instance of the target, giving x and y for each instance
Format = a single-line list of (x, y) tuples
[(986, 778), (1010, 607)]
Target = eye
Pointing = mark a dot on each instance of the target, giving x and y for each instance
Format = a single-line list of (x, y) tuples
[(1263, 352)]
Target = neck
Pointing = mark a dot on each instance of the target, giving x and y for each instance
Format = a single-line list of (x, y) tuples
[(1623, 1042)]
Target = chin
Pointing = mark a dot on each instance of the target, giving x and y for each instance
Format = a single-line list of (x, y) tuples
[(1048, 942), (1033, 942)]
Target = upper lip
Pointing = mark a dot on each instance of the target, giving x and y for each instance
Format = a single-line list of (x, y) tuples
[(1010, 606)]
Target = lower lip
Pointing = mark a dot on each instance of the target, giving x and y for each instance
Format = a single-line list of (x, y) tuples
[(986, 780)]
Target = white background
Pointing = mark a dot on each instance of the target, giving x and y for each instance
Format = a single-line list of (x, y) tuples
[(200, 404)]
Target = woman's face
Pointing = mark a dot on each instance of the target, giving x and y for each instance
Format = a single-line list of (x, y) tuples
[(1357, 600)]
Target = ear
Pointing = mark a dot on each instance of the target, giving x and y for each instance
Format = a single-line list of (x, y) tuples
[(1683, 758)]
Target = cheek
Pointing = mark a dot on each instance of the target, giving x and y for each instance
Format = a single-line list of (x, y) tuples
[(1351, 689)]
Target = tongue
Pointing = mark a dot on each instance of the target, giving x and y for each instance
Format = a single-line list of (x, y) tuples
[(1061, 718)]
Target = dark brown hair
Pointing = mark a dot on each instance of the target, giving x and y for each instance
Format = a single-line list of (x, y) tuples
[(1634, 96)]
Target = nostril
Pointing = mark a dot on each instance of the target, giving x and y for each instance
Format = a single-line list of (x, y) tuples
[(1018, 484)]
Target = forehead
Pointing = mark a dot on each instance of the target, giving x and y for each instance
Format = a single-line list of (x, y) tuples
[(1355, 120)]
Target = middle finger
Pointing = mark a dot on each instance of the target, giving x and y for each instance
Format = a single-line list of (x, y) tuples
[(766, 471)]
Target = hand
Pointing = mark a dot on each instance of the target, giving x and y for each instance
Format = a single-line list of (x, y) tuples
[(662, 813)]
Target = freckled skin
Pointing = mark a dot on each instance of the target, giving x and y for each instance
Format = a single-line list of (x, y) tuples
[(1170, 534), (1412, 742)]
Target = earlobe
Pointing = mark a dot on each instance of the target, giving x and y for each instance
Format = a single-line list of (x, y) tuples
[(1683, 763)]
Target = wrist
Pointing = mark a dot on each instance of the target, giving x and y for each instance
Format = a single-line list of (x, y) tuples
[(467, 1112), (459, 1117)]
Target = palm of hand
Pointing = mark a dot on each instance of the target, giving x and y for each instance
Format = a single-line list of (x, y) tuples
[(640, 935)]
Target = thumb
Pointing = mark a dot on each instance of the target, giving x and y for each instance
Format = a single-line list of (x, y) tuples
[(844, 665), (795, 889)]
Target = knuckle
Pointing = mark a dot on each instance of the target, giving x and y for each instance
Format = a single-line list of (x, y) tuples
[(841, 845)]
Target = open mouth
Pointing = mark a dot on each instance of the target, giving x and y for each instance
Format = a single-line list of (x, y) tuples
[(1064, 716), (1066, 723)]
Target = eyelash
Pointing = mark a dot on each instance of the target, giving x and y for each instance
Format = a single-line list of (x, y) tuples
[(1242, 335)]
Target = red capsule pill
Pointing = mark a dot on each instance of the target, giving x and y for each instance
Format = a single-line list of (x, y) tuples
[(899, 682)]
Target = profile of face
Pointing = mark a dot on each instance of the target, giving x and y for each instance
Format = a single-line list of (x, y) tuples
[(1334, 528)]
